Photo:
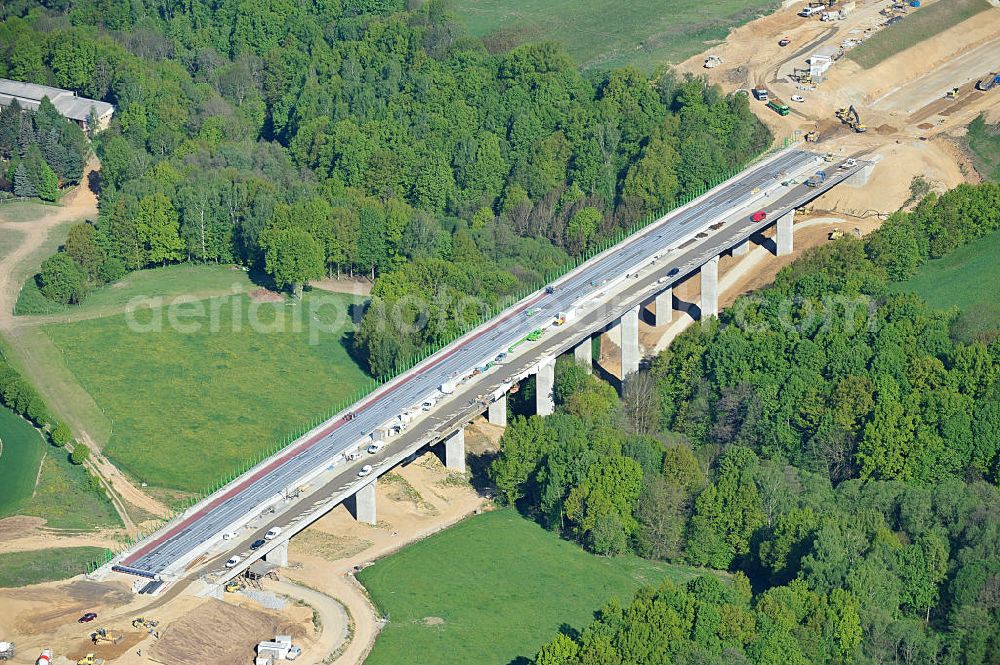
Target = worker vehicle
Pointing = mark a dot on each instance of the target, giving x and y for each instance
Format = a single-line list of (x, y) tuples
[(673, 271), (758, 216), (798, 99), (7, 650), (988, 83), (105, 635), (500, 357), (87, 618), (144, 623), (428, 404), (230, 535), (293, 653), (817, 179), (808, 12), (849, 163), (257, 544), (365, 471), (89, 659), (233, 562), (44, 658), (784, 41), (375, 447), (272, 533), (779, 107), (550, 290)]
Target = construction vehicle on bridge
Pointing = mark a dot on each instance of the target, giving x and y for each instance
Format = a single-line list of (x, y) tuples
[(89, 659), (849, 116), (6, 650), (988, 83), (105, 635)]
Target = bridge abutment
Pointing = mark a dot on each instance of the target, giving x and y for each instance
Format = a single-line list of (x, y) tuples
[(584, 354), (545, 379), (497, 411), (629, 324), (741, 249), (664, 305), (454, 450), (783, 234), (279, 555), (710, 288), (364, 504)]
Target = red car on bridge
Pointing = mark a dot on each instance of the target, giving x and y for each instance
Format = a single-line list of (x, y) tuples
[(759, 216)]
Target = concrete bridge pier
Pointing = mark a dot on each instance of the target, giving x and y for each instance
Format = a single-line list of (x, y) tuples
[(545, 379), (860, 178), (584, 354), (279, 555), (497, 412), (710, 288), (364, 504), (741, 249), (629, 324), (783, 234), (454, 450), (664, 307)]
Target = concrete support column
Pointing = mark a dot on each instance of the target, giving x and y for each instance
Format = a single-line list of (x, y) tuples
[(710, 288), (742, 248), (364, 502), (545, 378), (664, 307), (783, 234), (279, 555), (497, 413), (584, 354), (860, 178), (454, 450), (630, 341)]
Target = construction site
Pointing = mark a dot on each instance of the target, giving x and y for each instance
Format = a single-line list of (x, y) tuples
[(906, 112)]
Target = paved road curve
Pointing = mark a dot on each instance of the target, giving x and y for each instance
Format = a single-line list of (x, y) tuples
[(285, 471)]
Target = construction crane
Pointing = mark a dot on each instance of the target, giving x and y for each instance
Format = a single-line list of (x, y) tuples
[(849, 116), (988, 83)]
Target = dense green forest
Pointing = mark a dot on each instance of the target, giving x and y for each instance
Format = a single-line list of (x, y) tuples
[(326, 137), (40, 150), (828, 441)]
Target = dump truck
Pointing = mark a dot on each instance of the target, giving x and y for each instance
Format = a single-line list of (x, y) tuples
[(779, 107), (44, 658), (105, 635), (988, 83), (759, 94)]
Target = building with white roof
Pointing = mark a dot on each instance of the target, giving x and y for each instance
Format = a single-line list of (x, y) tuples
[(69, 105)]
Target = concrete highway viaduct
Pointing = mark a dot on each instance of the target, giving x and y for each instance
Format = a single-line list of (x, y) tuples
[(607, 293)]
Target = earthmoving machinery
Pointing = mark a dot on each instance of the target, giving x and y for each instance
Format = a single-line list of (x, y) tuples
[(232, 586), (145, 624), (6, 650), (952, 94), (811, 137), (712, 61), (988, 83), (89, 659), (836, 234), (105, 635), (850, 117)]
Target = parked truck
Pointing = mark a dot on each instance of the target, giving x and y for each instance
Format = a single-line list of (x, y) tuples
[(45, 658), (988, 83)]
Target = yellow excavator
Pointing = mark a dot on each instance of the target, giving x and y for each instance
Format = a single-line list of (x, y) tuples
[(952, 94), (105, 635), (144, 623), (89, 659), (849, 116)]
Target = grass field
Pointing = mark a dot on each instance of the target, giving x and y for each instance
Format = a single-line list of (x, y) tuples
[(20, 457), (983, 141), (603, 34), (169, 281), (189, 401), (921, 24), (24, 211), (65, 499), (9, 239), (967, 278), (19, 569), (492, 589)]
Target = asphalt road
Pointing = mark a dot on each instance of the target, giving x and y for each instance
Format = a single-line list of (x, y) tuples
[(595, 288)]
